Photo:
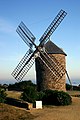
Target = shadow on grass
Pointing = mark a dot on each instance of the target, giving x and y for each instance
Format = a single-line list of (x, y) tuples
[(16, 102)]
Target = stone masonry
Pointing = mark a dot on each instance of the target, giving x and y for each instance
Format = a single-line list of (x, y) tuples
[(45, 79)]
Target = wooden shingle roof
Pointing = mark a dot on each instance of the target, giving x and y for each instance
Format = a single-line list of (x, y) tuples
[(53, 49)]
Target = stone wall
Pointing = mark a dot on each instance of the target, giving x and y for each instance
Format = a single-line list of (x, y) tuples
[(45, 79)]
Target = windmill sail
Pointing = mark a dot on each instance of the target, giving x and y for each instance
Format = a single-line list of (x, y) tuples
[(52, 27), (25, 34), (25, 69), (21, 69)]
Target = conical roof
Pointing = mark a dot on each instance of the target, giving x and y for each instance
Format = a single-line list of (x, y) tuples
[(53, 49)]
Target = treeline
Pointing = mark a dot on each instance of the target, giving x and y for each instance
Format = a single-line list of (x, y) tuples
[(20, 86), (69, 87)]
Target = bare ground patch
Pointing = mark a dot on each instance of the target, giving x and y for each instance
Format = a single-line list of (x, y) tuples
[(71, 112)]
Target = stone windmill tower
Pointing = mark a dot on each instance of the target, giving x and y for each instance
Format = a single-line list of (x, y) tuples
[(44, 78), (49, 58)]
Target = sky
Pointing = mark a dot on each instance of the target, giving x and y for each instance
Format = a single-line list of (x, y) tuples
[(37, 15)]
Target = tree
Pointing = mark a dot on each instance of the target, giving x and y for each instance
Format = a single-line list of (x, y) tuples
[(2, 95), (29, 94)]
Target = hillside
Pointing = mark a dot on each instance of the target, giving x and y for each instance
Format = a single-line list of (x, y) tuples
[(8, 112)]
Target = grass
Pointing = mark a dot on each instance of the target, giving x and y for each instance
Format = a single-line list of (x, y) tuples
[(8, 112), (13, 94), (74, 93)]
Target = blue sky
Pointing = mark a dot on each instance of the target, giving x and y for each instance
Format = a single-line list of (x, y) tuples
[(37, 15)]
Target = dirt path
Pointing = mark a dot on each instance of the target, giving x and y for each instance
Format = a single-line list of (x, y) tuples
[(71, 112)]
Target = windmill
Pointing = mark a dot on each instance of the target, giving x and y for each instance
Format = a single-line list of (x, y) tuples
[(55, 69)]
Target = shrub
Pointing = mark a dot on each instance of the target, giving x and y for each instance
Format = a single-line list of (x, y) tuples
[(2, 95), (56, 98), (68, 87), (40, 95), (29, 94), (63, 98), (48, 97)]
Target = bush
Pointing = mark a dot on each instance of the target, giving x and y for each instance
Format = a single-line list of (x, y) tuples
[(40, 95), (56, 98), (68, 87), (29, 94), (63, 98), (2, 95), (48, 97)]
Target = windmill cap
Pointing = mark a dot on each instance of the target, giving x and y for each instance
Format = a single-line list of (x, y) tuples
[(53, 49)]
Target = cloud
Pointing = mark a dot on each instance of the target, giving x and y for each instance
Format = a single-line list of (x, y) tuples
[(5, 26)]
